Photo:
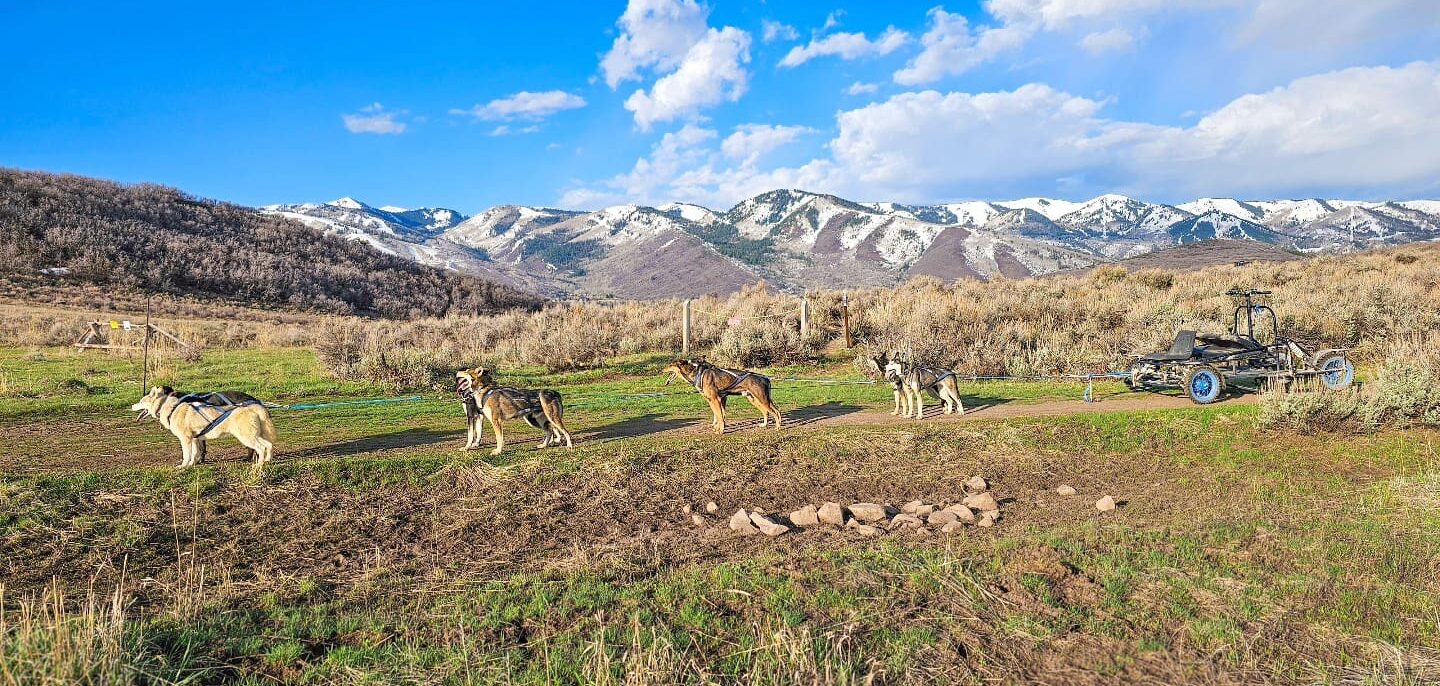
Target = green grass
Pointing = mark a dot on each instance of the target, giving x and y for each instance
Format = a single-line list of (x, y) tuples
[(377, 552)]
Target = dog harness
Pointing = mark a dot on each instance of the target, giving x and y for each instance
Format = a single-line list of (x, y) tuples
[(189, 399), (740, 377), (511, 393)]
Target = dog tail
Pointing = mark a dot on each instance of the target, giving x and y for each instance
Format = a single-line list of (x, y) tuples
[(552, 406)]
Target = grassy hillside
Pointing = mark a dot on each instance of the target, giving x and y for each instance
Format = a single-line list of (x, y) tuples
[(155, 240), (377, 551)]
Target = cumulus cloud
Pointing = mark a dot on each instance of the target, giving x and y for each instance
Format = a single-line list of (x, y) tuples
[(860, 88), (847, 46), (653, 34), (525, 105), (750, 142), (832, 20), (1114, 40), (771, 31), (711, 72), (1352, 129), (950, 47), (375, 119)]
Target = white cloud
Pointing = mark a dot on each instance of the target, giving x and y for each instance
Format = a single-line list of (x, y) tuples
[(711, 72), (505, 130), (832, 20), (525, 105), (750, 142), (374, 119), (1332, 24), (859, 88), (1114, 40), (771, 31), (951, 48), (846, 46), (1354, 129), (654, 34)]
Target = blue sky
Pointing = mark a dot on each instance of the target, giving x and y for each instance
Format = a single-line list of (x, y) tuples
[(471, 104)]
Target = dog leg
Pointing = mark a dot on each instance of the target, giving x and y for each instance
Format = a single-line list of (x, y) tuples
[(499, 435), (896, 411)]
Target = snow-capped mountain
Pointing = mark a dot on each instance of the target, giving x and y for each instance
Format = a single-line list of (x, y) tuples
[(796, 239)]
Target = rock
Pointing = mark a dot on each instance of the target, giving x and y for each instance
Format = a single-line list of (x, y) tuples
[(922, 532), (697, 520), (740, 521), (1065, 490), (942, 517), (952, 527), (866, 530), (904, 520), (923, 510), (909, 508), (832, 514), (987, 520), (766, 525), (1105, 504), (962, 513), (711, 507), (867, 512), (805, 516), (981, 501), (686, 510), (977, 484)]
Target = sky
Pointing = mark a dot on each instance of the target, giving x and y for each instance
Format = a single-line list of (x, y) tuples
[(468, 105)]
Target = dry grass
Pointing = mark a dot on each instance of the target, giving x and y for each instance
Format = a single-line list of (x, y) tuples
[(48, 640), (1062, 324), (1405, 393)]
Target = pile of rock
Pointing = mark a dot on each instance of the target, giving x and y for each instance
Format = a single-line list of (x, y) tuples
[(978, 507)]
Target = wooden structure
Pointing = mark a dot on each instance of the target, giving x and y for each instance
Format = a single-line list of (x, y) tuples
[(107, 336)]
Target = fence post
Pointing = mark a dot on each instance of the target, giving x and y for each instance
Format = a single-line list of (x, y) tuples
[(804, 317), (685, 328), (845, 318)]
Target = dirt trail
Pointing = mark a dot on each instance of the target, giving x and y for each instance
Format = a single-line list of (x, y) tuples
[(96, 454), (840, 414)]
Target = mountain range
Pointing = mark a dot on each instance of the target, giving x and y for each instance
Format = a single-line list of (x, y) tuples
[(796, 240)]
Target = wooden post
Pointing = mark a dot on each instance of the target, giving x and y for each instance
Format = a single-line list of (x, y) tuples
[(804, 317), (685, 328), (845, 318), (145, 356)]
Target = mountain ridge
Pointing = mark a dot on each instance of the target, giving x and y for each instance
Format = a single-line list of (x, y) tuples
[(796, 239)]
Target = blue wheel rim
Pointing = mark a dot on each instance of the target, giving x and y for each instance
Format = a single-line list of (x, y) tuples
[(1341, 370), (1203, 385)]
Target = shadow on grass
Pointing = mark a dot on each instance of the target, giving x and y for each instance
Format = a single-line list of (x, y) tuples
[(409, 438), (643, 425)]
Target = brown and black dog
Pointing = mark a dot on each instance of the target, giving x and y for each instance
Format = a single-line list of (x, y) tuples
[(716, 384), (484, 399)]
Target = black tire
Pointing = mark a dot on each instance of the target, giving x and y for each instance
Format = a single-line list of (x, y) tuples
[(1204, 384)]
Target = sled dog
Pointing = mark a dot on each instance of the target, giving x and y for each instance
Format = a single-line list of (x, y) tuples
[(716, 383), (484, 399)]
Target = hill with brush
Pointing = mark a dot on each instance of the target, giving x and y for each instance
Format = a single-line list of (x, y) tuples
[(62, 231)]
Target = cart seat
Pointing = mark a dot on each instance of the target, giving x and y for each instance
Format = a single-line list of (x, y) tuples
[(1230, 342), (1181, 349)]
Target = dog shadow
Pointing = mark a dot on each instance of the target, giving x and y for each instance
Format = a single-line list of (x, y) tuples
[(643, 425), (810, 414), (409, 438), (972, 404)]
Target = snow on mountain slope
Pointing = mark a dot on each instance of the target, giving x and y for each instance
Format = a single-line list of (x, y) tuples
[(1046, 207), (1291, 214), (690, 213), (1230, 206), (1217, 225), (796, 239)]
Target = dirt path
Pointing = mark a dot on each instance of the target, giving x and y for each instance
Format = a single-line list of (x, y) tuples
[(841, 414), (83, 446)]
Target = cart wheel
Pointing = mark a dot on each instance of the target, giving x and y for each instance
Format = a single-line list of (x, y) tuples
[(1336, 372), (1204, 384)]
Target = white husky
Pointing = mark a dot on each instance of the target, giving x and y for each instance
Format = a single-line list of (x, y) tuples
[(195, 422)]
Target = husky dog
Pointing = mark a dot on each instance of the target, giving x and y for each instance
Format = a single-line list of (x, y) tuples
[(915, 381), (716, 384), (485, 399), (194, 421), (880, 367)]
